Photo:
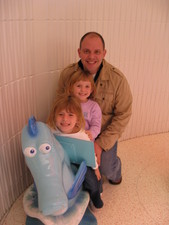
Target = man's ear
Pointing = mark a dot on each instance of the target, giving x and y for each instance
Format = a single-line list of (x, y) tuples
[(104, 53), (79, 51)]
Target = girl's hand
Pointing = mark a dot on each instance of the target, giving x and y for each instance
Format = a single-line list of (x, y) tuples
[(89, 134)]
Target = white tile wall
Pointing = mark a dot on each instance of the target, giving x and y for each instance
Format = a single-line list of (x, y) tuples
[(39, 38)]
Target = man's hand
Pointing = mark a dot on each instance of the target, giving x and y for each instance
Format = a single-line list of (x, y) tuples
[(97, 172), (98, 152)]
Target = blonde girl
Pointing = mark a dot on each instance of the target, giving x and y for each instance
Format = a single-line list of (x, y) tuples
[(66, 119), (81, 85)]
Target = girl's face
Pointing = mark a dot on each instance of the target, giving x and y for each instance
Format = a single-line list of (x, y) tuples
[(82, 90), (66, 121)]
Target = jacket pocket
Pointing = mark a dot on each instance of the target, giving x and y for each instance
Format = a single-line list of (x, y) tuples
[(106, 101)]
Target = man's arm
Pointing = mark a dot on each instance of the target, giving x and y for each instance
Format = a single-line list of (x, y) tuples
[(65, 77), (62, 82), (121, 116), (98, 152)]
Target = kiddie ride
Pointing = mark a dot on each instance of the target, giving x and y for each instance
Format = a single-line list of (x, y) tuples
[(56, 197)]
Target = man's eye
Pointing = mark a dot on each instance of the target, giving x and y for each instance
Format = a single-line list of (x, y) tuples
[(97, 52), (86, 51)]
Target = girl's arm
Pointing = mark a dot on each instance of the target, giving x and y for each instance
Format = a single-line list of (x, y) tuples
[(96, 120)]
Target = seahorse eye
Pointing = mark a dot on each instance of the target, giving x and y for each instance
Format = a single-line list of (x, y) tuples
[(45, 148), (30, 152)]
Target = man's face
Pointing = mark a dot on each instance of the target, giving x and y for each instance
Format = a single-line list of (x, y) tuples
[(91, 53)]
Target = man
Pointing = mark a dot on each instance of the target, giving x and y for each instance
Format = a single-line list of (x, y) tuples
[(112, 94)]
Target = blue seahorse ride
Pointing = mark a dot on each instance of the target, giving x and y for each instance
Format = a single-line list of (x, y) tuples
[(56, 197)]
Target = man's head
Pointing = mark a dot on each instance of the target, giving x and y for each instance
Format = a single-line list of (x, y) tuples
[(92, 51)]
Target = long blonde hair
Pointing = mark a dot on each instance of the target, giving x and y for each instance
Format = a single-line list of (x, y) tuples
[(81, 75), (71, 104)]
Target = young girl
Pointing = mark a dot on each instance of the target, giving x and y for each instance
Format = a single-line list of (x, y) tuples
[(66, 119), (82, 86)]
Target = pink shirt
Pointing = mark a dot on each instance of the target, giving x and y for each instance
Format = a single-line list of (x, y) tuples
[(93, 117)]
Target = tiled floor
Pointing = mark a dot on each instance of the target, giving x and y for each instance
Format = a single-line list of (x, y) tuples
[(143, 196)]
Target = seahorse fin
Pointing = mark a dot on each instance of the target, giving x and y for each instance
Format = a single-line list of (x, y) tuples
[(79, 178)]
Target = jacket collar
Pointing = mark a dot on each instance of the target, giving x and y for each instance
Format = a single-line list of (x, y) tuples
[(98, 72)]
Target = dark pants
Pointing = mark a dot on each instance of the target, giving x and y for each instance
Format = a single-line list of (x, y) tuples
[(111, 164), (91, 183)]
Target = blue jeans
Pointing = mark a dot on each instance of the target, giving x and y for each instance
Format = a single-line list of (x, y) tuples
[(111, 164), (91, 183)]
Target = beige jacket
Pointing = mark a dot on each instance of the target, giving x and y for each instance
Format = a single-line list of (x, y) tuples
[(114, 97)]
